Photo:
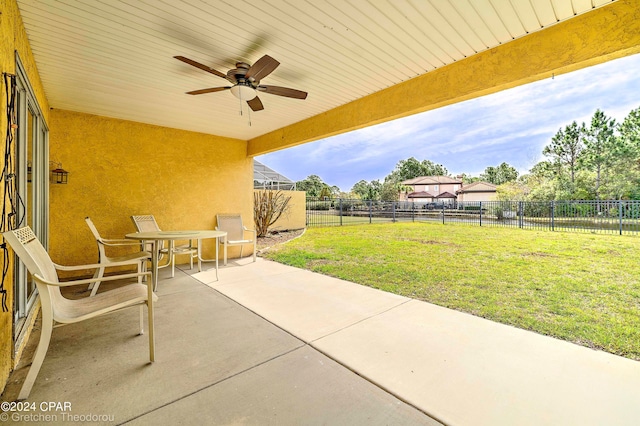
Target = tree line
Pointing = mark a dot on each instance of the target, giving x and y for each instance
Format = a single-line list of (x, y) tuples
[(600, 160), (391, 187), (595, 161)]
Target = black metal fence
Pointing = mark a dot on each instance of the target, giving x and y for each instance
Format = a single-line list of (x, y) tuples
[(610, 216)]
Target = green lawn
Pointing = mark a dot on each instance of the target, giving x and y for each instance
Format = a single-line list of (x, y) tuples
[(584, 288)]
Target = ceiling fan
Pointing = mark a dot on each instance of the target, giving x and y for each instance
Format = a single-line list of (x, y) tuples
[(246, 81)]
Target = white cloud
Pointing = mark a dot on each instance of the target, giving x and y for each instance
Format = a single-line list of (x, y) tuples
[(511, 126)]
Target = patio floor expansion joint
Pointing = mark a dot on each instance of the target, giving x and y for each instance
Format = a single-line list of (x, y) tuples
[(365, 377), (380, 386), (360, 321), (215, 383), (311, 345)]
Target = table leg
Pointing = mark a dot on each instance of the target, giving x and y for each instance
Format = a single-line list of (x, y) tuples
[(152, 285), (217, 245), (225, 251)]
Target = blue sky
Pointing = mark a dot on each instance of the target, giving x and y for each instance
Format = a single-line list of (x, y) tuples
[(512, 126)]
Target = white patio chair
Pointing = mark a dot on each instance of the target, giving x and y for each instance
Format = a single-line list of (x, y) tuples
[(146, 223), (58, 309), (236, 233), (138, 258)]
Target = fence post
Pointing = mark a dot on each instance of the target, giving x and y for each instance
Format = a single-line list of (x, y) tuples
[(480, 213), (393, 208), (413, 212), (620, 214), (443, 213), (520, 212), (370, 211), (553, 225), (340, 202)]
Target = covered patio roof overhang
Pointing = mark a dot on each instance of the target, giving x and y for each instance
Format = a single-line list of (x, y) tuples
[(362, 63), (602, 35)]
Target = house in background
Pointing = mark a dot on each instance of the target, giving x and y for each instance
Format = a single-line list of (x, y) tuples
[(428, 189), (447, 190), (477, 191)]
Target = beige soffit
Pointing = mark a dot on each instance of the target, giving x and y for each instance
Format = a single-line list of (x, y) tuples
[(115, 57)]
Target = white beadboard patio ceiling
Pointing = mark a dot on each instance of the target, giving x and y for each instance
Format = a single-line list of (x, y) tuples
[(115, 57)]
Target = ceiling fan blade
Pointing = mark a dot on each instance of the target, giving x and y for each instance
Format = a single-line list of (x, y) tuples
[(255, 104), (283, 91), (262, 68), (256, 45), (211, 90), (201, 66)]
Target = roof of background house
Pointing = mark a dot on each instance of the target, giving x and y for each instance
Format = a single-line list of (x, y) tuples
[(478, 187), (421, 194), (426, 180), (446, 195)]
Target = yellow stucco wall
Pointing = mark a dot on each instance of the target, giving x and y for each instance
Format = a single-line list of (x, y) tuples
[(13, 38), (598, 36), (121, 168), (296, 217)]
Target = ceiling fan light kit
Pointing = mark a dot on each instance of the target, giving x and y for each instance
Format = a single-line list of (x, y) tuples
[(246, 81), (243, 92)]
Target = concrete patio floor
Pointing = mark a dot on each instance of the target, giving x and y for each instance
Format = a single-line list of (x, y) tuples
[(216, 363), (272, 344)]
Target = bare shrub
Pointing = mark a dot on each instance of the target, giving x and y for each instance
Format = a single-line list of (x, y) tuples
[(268, 206)]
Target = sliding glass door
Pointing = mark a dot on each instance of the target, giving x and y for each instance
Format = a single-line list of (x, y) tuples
[(32, 173)]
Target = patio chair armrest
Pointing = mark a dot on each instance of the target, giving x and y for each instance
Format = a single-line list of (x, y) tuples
[(118, 242), (251, 231), (91, 280), (77, 267), (92, 265)]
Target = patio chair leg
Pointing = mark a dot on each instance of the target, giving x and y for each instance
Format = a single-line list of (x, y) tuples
[(190, 255), (144, 269), (199, 255), (41, 351), (225, 254), (95, 275), (92, 284), (172, 259), (152, 343), (241, 248), (141, 320), (99, 274)]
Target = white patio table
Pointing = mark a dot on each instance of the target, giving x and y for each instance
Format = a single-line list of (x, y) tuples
[(155, 237)]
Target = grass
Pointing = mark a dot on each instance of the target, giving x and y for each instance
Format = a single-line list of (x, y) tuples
[(584, 288)]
